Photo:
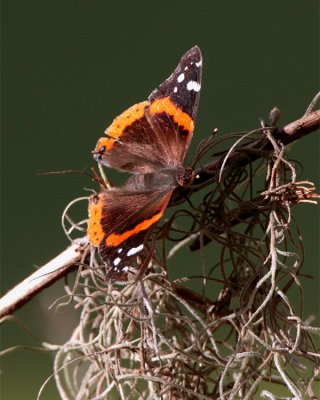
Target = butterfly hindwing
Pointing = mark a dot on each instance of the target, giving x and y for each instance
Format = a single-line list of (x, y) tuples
[(119, 222)]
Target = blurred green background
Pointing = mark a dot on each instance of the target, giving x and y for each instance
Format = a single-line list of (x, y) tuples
[(70, 67)]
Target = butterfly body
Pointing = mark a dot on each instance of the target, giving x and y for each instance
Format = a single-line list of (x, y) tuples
[(150, 140)]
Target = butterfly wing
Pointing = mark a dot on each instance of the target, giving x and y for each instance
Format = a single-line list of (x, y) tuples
[(174, 105), (119, 222), (156, 133)]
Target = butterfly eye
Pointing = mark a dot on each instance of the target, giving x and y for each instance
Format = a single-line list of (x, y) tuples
[(95, 199), (102, 150)]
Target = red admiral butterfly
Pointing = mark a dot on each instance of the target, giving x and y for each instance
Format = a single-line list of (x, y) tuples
[(149, 140)]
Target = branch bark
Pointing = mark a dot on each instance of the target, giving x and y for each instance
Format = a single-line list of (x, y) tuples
[(65, 262), (248, 153), (43, 277)]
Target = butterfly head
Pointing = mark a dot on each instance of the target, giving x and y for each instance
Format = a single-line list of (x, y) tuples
[(101, 149)]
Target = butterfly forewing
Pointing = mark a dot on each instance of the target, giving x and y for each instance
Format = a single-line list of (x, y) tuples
[(174, 105), (184, 84), (156, 133)]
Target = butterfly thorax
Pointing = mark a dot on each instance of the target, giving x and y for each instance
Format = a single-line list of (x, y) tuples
[(169, 178), (184, 176)]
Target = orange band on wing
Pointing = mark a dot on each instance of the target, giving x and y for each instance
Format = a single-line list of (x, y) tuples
[(180, 117), (94, 230), (121, 122), (115, 239)]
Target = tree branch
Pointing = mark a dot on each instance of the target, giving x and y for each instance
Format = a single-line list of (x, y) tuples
[(43, 277), (65, 262), (246, 154)]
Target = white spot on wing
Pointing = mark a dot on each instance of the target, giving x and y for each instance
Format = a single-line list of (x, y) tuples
[(125, 269), (186, 68), (175, 89), (116, 261), (193, 85), (199, 63), (120, 250), (180, 77), (134, 250)]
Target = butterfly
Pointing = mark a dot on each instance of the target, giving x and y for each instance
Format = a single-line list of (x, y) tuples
[(150, 140)]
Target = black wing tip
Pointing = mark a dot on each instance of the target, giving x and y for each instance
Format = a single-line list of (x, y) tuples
[(193, 58), (194, 49), (194, 52), (188, 70)]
